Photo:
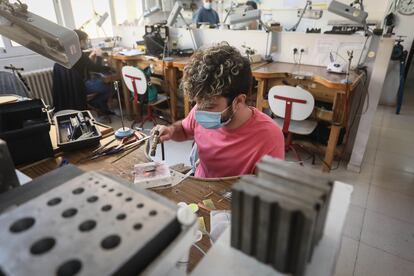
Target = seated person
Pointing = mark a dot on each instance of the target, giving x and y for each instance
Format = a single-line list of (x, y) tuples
[(206, 14), (85, 66), (252, 5), (231, 136)]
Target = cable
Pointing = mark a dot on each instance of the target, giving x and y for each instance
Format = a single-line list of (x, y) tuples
[(300, 57), (294, 58)]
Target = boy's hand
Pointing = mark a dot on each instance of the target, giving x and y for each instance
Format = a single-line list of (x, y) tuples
[(165, 132)]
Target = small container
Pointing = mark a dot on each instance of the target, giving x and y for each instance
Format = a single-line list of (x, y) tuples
[(69, 136)]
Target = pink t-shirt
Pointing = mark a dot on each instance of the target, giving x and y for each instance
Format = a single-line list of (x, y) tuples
[(231, 152)]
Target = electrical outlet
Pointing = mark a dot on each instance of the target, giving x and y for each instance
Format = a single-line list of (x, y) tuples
[(299, 50), (311, 13)]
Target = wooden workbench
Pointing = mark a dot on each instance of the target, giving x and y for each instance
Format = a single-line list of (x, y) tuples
[(191, 190), (167, 68), (325, 87)]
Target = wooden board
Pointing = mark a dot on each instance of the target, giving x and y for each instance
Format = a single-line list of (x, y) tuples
[(316, 73), (8, 99)]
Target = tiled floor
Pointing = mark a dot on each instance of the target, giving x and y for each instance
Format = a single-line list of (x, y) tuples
[(378, 238)]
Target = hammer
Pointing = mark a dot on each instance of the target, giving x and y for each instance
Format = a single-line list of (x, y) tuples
[(155, 141)]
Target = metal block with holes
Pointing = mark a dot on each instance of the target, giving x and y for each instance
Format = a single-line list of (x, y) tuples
[(93, 225), (278, 216)]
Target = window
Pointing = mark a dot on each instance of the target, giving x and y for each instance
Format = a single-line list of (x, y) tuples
[(43, 8), (121, 11), (127, 10), (87, 13)]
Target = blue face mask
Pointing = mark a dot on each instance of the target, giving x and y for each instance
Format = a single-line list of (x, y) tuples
[(211, 120), (208, 6)]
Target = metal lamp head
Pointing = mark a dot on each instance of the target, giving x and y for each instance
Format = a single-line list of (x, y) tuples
[(102, 19), (39, 35), (172, 18), (250, 15), (351, 13)]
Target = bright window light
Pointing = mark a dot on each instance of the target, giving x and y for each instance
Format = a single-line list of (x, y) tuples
[(127, 10), (121, 11), (90, 10)]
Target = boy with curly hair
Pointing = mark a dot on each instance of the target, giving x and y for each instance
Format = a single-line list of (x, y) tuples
[(231, 137)]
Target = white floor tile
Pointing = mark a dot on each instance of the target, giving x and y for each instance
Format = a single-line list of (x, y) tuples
[(394, 161), (397, 146), (370, 155), (393, 204), (379, 115), (376, 262), (360, 195), (392, 120), (397, 135), (374, 137), (347, 257), (353, 222), (394, 180), (391, 235), (349, 177)]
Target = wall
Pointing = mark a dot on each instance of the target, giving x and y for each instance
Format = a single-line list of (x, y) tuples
[(129, 34), (318, 46)]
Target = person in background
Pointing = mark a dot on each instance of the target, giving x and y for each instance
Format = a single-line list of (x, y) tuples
[(85, 66), (206, 14), (252, 25), (231, 137), (252, 4)]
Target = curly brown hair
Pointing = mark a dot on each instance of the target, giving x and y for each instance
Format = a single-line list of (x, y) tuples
[(217, 71)]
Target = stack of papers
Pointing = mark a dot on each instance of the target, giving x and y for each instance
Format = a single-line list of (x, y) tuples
[(132, 52)]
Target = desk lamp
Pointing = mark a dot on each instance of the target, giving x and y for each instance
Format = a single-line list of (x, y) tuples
[(351, 12), (99, 21), (307, 6), (233, 5), (252, 15), (38, 34), (354, 14), (172, 19)]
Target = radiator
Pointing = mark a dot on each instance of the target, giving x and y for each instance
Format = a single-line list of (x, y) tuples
[(40, 83)]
